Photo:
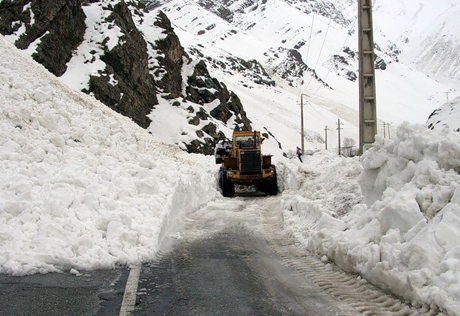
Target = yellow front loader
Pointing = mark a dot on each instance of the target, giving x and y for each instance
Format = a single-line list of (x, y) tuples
[(243, 163)]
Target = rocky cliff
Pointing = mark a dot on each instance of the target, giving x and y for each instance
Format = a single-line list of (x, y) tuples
[(129, 72), (51, 28)]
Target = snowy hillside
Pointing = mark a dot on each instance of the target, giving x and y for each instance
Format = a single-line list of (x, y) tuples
[(310, 53), (426, 33), (82, 187), (267, 53), (447, 116)]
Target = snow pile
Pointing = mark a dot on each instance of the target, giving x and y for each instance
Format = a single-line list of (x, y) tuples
[(406, 235), (81, 186)]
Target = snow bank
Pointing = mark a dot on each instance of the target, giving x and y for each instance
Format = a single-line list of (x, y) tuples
[(81, 186), (406, 235)]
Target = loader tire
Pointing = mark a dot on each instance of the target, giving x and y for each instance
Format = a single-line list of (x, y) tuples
[(271, 187), (227, 186)]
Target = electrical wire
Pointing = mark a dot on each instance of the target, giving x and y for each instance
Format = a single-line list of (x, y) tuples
[(308, 47), (341, 49), (309, 39), (322, 46)]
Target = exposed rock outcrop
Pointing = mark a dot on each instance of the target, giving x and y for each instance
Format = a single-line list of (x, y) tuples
[(126, 85), (169, 73), (199, 89), (56, 27)]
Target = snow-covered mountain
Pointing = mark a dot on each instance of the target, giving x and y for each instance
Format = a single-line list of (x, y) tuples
[(311, 48), (258, 57)]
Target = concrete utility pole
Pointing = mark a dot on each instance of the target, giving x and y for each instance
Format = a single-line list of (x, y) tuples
[(447, 95), (301, 123), (367, 99), (325, 134), (385, 129), (339, 128)]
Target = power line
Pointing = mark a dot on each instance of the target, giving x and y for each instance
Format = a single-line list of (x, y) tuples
[(322, 46), (340, 50), (322, 117), (308, 47), (309, 39)]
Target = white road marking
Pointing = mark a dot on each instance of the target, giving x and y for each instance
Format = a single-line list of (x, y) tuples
[(129, 298)]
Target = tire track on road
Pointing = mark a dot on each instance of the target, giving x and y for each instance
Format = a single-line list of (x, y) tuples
[(366, 298)]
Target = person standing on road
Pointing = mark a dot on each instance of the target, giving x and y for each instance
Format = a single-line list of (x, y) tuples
[(299, 153)]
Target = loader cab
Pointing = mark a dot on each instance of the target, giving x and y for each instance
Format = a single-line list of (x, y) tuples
[(247, 142)]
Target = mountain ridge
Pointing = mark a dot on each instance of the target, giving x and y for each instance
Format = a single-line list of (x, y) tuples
[(256, 59)]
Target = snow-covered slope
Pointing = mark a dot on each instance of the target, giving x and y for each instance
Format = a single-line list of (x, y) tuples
[(447, 116), (426, 32), (270, 53), (305, 51), (80, 185)]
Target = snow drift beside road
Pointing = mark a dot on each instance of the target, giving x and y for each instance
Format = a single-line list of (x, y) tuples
[(80, 185), (406, 237)]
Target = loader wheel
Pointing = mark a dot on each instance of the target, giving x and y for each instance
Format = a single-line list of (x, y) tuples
[(271, 187), (221, 170), (227, 186)]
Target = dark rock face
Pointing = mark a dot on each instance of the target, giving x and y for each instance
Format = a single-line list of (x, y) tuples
[(289, 65), (170, 69), (59, 25), (134, 93), (220, 9), (202, 89), (206, 90)]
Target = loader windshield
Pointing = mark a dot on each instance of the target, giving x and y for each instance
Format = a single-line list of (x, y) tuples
[(247, 141)]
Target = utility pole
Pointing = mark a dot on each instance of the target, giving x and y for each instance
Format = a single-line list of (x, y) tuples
[(384, 130), (367, 99), (325, 134), (301, 122), (447, 95), (339, 128)]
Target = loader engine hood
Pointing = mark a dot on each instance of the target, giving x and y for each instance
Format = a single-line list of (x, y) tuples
[(251, 162)]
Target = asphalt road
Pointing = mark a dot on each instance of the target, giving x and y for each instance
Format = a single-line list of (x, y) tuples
[(92, 293), (230, 273), (231, 257)]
